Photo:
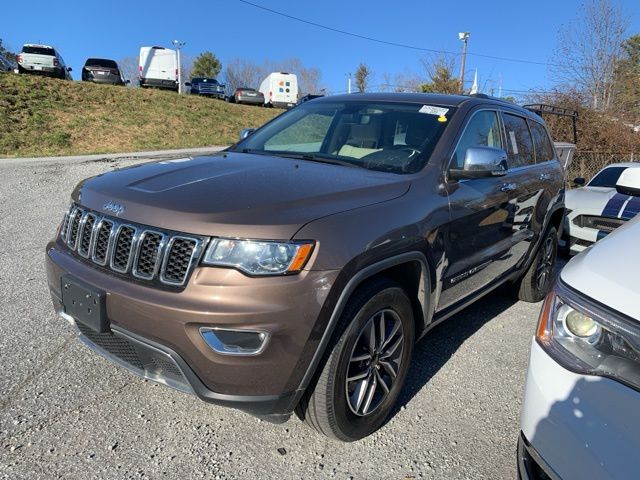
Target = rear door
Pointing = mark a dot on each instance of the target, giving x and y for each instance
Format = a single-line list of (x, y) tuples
[(480, 235), (162, 64), (524, 186)]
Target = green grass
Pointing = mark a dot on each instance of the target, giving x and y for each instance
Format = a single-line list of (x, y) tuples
[(42, 116)]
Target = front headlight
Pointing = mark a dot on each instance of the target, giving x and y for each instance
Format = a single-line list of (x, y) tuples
[(588, 338), (258, 257)]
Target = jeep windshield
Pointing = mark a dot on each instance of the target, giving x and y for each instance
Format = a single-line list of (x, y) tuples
[(390, 137)]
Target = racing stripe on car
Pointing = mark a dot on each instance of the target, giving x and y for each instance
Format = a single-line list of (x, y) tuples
[(631, 209), (613, 206)]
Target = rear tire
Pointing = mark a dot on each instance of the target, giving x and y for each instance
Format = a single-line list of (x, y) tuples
[(361, 376), (536, 282)]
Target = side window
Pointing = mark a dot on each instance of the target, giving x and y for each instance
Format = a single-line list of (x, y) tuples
[(544, 148), (483, 130), (519, 142)]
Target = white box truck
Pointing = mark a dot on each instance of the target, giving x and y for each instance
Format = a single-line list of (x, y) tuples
[(158, 67), (280, 89)]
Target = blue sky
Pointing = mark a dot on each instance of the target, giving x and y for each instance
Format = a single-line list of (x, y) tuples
[(116, 29)]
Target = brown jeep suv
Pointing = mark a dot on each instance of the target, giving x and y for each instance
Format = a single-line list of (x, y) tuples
[(295, 270)]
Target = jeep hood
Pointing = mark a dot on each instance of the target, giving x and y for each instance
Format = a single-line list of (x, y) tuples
[(236, 194)]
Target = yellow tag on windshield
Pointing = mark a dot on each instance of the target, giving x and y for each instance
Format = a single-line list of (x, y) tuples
[(442, 119)]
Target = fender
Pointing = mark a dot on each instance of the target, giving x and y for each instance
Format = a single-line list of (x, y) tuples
[(425, 295)]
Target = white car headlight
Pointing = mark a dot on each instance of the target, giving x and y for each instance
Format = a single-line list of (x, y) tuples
[(589, 338), (258, 257)]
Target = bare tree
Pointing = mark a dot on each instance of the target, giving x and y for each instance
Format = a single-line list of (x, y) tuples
[(129, 68), (407, 82), (308, 77), (589, 49), (242, 73)]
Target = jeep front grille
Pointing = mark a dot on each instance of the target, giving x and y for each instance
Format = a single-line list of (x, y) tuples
[(131, 249)]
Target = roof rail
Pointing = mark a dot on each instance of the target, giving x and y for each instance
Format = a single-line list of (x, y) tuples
[(542, 108)]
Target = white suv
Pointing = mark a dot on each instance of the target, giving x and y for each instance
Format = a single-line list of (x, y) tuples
[(44, 60), (580, 414)]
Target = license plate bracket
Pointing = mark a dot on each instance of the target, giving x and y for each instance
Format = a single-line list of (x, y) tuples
[(86, 304)]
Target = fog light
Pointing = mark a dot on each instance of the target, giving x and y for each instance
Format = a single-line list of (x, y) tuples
[(235, 342), (580, 325)]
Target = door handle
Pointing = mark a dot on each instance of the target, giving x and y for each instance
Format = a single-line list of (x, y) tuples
[(545, 176), (508, 187)]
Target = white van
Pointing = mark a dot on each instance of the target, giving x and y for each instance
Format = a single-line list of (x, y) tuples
[(158, 67), (280, 89)]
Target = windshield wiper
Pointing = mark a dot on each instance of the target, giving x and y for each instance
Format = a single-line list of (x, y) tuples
[(314, 157), (311, 157)]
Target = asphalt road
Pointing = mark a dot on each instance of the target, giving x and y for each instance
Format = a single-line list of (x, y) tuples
[(67, 413)]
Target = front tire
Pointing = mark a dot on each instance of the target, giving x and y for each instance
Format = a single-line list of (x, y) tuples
[(536, 282), (365, 365)]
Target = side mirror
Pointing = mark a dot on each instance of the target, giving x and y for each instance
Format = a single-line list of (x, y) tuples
[(246, 132), (188, 84), (127, 81), (580, 181), (482, 162), (69, 69)]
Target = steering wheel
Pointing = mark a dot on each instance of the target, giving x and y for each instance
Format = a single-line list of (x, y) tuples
[(398, 158)]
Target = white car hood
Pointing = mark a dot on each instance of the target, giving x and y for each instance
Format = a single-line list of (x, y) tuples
[(608, 271), (602, 201)]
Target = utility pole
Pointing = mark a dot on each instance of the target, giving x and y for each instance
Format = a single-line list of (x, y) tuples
[(464, 37), (178, 44), (349, 84)]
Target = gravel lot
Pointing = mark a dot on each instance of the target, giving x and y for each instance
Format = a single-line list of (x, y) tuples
[(67, 413)]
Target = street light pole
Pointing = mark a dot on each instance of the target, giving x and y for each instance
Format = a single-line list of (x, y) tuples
[(464, 37), (178, 44), (349, 84)]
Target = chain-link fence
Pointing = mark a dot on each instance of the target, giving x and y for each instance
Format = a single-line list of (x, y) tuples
[(587, 164)]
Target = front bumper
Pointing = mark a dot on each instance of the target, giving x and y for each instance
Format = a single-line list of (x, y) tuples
[(580, 426), (531, 466), (578, 238), (153, 319)]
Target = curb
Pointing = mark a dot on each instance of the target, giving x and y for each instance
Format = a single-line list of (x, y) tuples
[(152, 155)]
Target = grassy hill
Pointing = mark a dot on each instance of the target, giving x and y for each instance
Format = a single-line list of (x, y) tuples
[(42, 116)]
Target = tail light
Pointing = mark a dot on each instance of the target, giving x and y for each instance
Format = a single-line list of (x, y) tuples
[(55, 62), (270, 93), (176, 73), (140, 70), (19, 59)]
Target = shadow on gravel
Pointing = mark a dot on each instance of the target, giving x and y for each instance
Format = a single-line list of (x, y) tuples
[(436, 348)]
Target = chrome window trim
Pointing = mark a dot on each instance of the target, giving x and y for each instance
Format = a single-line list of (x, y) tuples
[(197, 250), (131, 250), (159, 254)]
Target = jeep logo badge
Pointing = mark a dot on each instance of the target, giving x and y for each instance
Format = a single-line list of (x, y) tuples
[(113, 207)]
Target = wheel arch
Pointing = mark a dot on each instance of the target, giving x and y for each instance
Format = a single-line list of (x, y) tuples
[(409, 269)]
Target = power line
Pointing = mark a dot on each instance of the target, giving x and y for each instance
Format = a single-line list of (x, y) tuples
[(394, 44)]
